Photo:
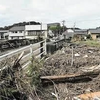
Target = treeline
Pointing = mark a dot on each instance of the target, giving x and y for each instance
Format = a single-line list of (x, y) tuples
[(19, 24)]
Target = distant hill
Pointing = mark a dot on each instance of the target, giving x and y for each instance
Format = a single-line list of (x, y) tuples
[(19, 24)]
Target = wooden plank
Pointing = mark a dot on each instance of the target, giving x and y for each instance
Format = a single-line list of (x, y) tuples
[(88, 74), (68, 78), (88, 96)]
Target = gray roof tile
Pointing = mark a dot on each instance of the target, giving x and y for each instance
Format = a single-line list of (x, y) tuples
[(95, 30), (17, 28)]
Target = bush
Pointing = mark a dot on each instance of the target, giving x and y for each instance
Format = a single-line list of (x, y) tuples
[(34, 72)]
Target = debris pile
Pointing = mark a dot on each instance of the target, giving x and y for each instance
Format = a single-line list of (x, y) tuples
[(84, 58), (15, 84)]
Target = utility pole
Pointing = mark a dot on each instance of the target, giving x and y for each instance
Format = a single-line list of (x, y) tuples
[(63, 23), (41, 27), (74, 26)]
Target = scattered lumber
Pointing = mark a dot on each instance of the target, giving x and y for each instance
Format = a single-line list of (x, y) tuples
[(67, 78), (84, 76), (88, 96)]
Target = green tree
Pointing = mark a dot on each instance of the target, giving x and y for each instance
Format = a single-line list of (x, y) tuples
[(56, 30)]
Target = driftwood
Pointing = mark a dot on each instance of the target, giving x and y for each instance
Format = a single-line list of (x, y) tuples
[(88, 96), (86, 75)]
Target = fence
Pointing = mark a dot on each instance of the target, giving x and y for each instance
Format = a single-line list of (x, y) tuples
[(37, 50)]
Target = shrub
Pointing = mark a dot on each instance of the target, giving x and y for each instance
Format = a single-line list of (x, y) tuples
[(34, 72)]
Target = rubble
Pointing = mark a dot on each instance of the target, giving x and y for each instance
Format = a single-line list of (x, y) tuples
[(60, 64), (77, 55)]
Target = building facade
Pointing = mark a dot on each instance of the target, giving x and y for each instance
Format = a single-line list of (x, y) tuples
[(94, 33), (33, 31), (4, 34), (28, 31), (17, 32)]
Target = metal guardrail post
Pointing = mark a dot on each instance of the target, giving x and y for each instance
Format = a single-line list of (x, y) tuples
[(45, 47), (31, 51)]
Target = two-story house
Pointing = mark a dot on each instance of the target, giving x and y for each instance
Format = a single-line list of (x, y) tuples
[(28, 31), (33, 31), (17, 32)]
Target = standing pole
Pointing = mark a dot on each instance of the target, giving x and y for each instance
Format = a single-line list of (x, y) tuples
[(74, 26), (31, 51), (72, 57), (63, 23), (41, 28), (45, 47)]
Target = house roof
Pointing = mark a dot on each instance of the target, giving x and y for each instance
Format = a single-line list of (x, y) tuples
[(4, 31), (81, 32), (95, 30), (17, 28)]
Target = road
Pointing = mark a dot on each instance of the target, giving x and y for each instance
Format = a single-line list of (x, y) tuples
[(9, 50)]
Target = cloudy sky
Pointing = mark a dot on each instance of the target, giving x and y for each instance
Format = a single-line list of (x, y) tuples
[(85, 13)]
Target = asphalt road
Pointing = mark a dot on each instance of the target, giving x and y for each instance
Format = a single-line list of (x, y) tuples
[(9, 50)]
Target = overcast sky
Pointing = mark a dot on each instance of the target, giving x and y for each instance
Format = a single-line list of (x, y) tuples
[(85, 13)]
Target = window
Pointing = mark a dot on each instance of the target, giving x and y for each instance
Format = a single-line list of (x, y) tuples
[(20, 31), (35, 33), (31, 33), (15, 32), (40, 33)]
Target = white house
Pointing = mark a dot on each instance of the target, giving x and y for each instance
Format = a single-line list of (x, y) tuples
[(28, 31), (17, 32), (33, 31), (4, 34)]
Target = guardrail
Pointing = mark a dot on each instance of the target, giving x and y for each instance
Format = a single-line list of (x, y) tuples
[(37, 50)]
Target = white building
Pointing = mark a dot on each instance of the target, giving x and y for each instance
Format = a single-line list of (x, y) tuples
[(17, 32), (4, 34), (28, 31), (33, 31)]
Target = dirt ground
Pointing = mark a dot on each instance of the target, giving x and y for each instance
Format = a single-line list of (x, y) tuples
[(60, 64)]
